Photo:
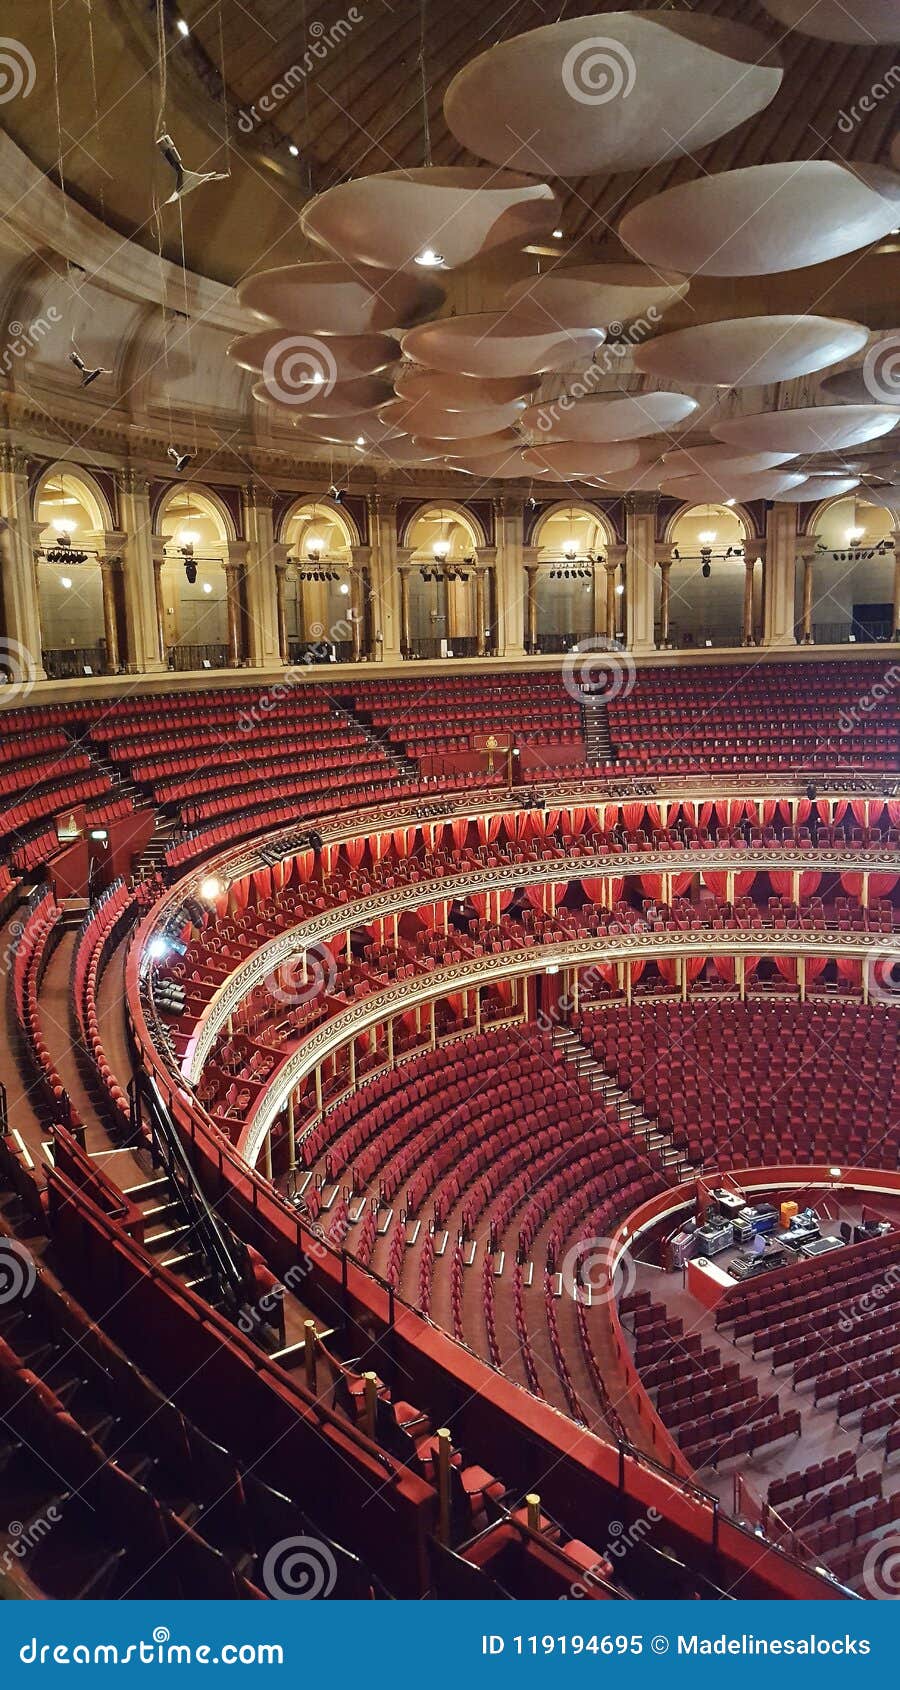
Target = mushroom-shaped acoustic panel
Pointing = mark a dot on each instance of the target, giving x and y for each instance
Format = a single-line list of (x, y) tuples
[(615, 91), (423, 416), (823, 428), (324, 398), (358, 428), (348, 355), (569, 461), (749, 351), (876, 380), (400, 451), (493, 343), (432, 218), (601, 418), (645, 479), (692, 460), (717, 485), (333, 299), (582, 297), (495, 466), (888, 497), (764, 218), (857, 23), (460, 393), (477, 446), (818, 487)]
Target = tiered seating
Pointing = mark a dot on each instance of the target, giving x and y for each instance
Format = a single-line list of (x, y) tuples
[(40, 931), (714, 1413), (764, 717), (442, 714), (100, 933), (827, 1089)]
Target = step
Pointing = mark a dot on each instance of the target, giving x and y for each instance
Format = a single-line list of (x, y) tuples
[(157, 1241)]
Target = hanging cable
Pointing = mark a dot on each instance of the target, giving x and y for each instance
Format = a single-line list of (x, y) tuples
[(225, 112), (162, 59), (426, 121), (59, 129)]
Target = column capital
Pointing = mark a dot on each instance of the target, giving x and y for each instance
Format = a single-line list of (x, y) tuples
[(133, 480), (258, 494), (13, 460), (641, 504), (361, 556), (236, 554), (382, 504), (615, 555)]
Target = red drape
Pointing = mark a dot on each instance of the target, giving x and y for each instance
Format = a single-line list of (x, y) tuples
[(743, 880), (787, 968), (459, 828), (815, 965), (724, 967), (632, 815), (668, 968), (717, 881), (355, 850), (488, 828)]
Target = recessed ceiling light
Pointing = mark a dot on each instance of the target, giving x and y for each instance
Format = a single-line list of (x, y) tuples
[(731, 501), (65, 581), (557, 234), (360, 440), (429, 259), (294, 151), (182, 27)]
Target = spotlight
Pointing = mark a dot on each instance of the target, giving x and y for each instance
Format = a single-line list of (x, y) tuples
[(706, 571), (294, 151), (558, 234), (206, 587), (708, 537), (65, 581), (63, 526), (182, 27), (429, 259)]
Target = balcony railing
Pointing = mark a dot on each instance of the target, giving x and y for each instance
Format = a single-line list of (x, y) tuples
[(183, 657), (462, 645), (849, 633), (71, 661)]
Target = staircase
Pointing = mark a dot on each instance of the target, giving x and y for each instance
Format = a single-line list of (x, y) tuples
[(595, 727), (647, 1132), (404, 766), (169, 1235), (151, 858)]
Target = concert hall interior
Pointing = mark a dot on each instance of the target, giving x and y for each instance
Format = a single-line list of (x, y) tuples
[(450, 822)]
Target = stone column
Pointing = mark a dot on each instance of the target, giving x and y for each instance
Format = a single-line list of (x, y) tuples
[(640, 566), (233, 598), (109, 569), (509, 598), (159, 558), (403, 577), (807, 556), (146, 655), (281, 610), (385, 582), (780, 563), (615, 571), (531, 608), (665, 570), (360, 596), (262, 561), (479, 612), (753, 551), (20, 593)]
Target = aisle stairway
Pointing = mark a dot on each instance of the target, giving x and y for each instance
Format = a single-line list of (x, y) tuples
[(595, 724), (350, 712), (633, 1119)]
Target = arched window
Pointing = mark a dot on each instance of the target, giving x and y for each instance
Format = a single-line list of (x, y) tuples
[(567, 586), (72, 518), (319, 587), (707, 580), (192, 579), (853, 572), (447, 589)]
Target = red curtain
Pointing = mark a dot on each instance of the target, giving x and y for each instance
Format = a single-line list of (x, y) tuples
[(240, 893), (724, 967), (783, 881), (652, 884), (355, 850), (717, 881), (850, 968), (459, 828), (852, 883), (404, 840), (882, 884), (654, 815), (893, 810), (304, 865), (432, 916), (815, 965), (668, 968), (681, 882), (787, 968), (605, 890), (488, 828), (694, 966), (575, 819), (632, 815), (743, 880), (860, 808), (379, 845), (515, 824)]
